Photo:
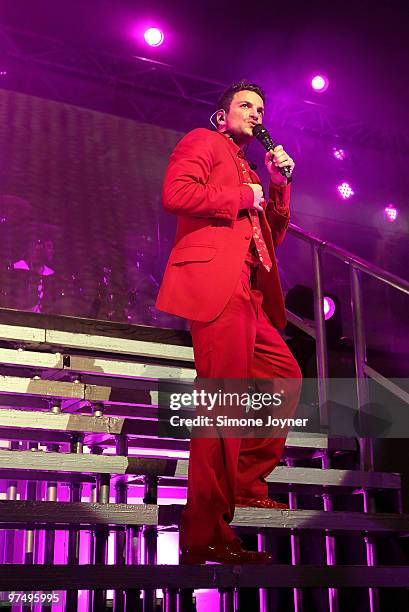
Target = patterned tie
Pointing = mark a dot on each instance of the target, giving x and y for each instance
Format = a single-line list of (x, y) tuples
[(261, 246)]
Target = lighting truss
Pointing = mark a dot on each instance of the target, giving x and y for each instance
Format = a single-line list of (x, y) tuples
[(139, 78)]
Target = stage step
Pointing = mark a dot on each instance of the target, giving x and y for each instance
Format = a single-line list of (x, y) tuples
[(65, 577), (60, 515), (134, 465), (31, 419), (314, 476), (64, 363), (45, 322), (60, 340), (77, 367)]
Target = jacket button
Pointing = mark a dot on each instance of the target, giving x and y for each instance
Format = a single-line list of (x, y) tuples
[(247, 237)]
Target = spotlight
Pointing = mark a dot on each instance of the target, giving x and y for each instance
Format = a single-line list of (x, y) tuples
[(329, 307), (319, 83), (3, 73), (300, 301), (345, 190), (339, 154), (154, 37), (391, 213)]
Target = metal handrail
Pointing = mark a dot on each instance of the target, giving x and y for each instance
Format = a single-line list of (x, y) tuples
[(316, 329), (349, 258)]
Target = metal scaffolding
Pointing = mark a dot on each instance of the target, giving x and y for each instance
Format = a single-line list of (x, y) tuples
[(36, 64)]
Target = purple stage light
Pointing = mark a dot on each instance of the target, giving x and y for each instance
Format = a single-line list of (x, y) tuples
[(3, 73), (339, 154), (329, 307), (345, 190), (154, 37), (319, 83), (391, 213)]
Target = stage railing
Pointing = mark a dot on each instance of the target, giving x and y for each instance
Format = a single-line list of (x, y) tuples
[(316, 329)]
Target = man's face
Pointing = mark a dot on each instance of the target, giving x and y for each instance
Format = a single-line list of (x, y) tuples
[(246, 110)]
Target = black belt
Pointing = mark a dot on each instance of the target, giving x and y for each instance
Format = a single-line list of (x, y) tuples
[(243, 213)]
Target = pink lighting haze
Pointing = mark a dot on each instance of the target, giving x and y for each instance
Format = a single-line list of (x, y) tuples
[(391, 213), (154, 37), (345, 190), (329, 307), (339, 154), (319, 83)]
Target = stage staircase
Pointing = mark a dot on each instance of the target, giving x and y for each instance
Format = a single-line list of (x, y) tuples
[(80, 446)]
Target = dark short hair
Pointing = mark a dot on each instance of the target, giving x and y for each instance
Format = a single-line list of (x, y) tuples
[(228, 95)]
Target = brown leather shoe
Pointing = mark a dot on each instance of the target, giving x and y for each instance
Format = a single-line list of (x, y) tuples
[(231, 553), (261, 502)]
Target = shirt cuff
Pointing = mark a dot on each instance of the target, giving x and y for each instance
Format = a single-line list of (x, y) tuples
[(246, 196), (280, 198)]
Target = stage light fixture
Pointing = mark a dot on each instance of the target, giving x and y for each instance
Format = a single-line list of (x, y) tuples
[(345, 190), (339, 154), (329, 307), (319, 83), (391, 213), (300, 301), (153, 37)]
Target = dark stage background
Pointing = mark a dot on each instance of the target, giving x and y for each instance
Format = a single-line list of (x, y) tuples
[(81, 195)]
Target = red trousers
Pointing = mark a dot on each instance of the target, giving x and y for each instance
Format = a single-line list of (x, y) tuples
[(240, 343)]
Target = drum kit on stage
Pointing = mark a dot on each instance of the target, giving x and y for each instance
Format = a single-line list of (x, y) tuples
[(33, 281)]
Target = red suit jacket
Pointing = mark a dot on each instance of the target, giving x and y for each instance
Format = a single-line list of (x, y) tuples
[(204, 187)]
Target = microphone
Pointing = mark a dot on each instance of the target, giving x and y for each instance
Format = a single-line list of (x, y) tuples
[(262, 135)]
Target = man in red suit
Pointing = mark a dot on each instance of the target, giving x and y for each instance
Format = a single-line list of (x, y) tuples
[(222, 276)]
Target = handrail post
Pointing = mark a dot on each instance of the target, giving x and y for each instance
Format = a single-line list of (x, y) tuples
[(321, 338), (322, 374), (365, 443)]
